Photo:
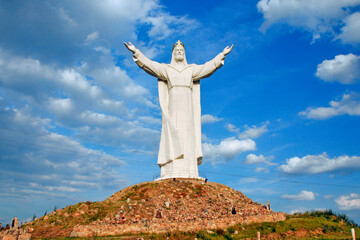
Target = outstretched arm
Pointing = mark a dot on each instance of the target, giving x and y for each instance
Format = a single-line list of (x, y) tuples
[(151, 67), (207, 69)]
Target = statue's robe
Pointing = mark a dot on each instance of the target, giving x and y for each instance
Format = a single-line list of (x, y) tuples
[(179, 95)]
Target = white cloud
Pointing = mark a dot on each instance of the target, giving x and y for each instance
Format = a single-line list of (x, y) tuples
[(249, 132), (302, 196), (232, 128), (91, 37), (61, 106), (39, 82), (103, 50), (261, 169), (116, 82), (349, 104), (163, 25), (328, 196), (150, 120), (43, 159), (207, 118), (254, 131), (315, 164), (254, 159), (343, 68), (54, 188), (297, 211), (318, 17), (351, 30), (349, 202), (115, 21), (227, 149)]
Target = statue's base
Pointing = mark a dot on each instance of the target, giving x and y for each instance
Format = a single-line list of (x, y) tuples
[(179, 174), (179, 177)]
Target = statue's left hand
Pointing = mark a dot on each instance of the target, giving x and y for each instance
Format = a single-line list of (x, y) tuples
[(227, 50)]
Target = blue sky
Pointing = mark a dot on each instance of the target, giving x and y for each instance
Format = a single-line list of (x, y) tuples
[(79, 120)]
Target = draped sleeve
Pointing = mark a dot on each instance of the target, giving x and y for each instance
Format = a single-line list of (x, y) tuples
[(153, 68), (207, 69)]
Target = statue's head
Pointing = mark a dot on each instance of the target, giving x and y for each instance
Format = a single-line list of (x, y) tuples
[(178, 52)]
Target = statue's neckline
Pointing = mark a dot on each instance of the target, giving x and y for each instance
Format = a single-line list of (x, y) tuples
[(177, 69)]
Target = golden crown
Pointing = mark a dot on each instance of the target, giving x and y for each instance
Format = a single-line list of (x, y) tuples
[(178, 43)]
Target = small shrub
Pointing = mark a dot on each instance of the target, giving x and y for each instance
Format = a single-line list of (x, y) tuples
[(228, 237), (219, 231), (231, 230)]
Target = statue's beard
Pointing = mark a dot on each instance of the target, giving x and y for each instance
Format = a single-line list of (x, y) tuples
[(179, 58)]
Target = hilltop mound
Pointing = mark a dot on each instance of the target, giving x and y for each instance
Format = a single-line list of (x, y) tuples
[(155, 207)]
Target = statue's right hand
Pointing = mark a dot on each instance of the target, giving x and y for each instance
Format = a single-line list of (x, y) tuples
[(130, 46)]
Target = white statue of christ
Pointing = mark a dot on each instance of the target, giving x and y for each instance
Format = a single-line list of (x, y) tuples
[(180, 150)]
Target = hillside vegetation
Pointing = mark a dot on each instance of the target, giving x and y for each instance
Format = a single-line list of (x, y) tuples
[(305, 226)]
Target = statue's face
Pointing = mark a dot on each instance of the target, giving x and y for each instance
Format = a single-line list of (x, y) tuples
[(179, 52)]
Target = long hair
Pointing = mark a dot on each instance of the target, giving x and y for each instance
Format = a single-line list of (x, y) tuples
[(173, 57)]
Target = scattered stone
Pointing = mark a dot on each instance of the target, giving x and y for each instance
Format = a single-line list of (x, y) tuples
[(15, 234), (167, 204), (73, 234)]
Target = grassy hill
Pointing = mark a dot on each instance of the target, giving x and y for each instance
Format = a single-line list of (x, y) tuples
[(186, 205), (182, 209)]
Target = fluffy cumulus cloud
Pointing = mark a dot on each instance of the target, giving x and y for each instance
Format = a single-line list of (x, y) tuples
[(316, 164), (254, 131), (207, 118), (302, 196), (85, 106), (44, 163), (249, 131), (164, 25), (349, 104), (318, 17), (227, 149), (351, 29), (256, 159), (349, 202), (71, 26), (343, 68)]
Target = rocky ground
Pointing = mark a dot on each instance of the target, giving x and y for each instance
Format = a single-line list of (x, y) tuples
[(154, 207)]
